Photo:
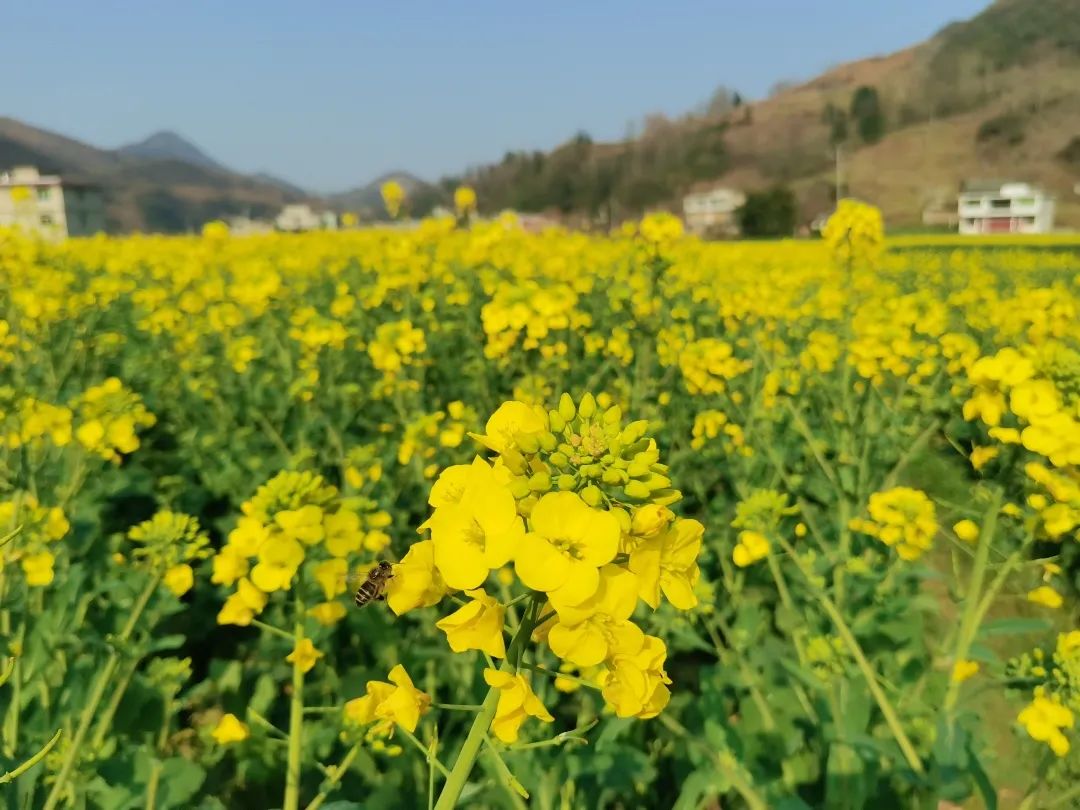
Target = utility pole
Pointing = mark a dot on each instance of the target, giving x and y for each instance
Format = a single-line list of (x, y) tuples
[(839, 174)]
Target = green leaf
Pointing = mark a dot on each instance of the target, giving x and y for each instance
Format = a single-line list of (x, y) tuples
[(263, 694), (982, 780), (845, 779), (1005, 627), (180, 781), (698, 786)]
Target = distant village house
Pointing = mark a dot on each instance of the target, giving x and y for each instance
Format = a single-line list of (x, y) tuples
[(711, 211), (47, 205), (1004, 207), (248, 226), (302, 217)]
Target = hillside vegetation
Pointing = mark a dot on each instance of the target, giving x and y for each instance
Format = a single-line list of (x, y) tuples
[(994, 96)]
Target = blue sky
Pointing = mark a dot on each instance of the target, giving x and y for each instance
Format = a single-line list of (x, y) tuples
[(330, 94)]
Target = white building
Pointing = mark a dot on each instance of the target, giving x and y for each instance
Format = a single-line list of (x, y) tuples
[(1004, 208), (301, 217), (46, 205), (246, 226), (712, 211)]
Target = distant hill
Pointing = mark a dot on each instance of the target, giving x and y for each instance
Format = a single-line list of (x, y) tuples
[(163, 183), (167, 145), (284, 185), (994, 96), (367, 201)]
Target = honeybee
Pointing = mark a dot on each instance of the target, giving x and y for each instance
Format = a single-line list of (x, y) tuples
[(373, 587)]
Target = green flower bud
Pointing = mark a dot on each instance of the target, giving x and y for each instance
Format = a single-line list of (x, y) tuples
[(540, 482), (634, 431), (587, 406), (528, 443), (592, 495), (615, 477), (520, 488), (556, 421), (637, 469), (613, 415), (566, 482), (559, 459), (547, 441), (566, 408), (636, 490)]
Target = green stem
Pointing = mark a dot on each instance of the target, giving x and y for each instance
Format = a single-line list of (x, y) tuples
[(334, 777), (969, 623), (152, 785), (86, 718), (11, 776), (269, 628), (296, 719), (470, 749), (432, 760), (848, 637), (105, 721)]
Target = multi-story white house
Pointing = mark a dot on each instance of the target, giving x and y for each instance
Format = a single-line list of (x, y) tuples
[(46, 205), (712, 211), (985, 207)]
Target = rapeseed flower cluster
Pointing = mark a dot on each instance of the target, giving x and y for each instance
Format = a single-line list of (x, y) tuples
[(108, 418), (577, 504), (39, 528), (855, 234), (167, 544), (296, 530), (902, 518)]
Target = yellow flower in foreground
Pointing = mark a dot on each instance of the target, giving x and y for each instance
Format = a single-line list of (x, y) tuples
[(962, 670), (330, 574), (396, 702), (512, 423), (600, 627), (480, 532), (179, 579), (636, 684), (568, 543), (752, 546), (248, 536), (1046, 596), (304, 655), (303, 524), (1043, 719), (243, 606), (230, 730), (38, 568), (416, 582), (229, 566), (516, 702), (966, 530), (668, 563), (476, 626)]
